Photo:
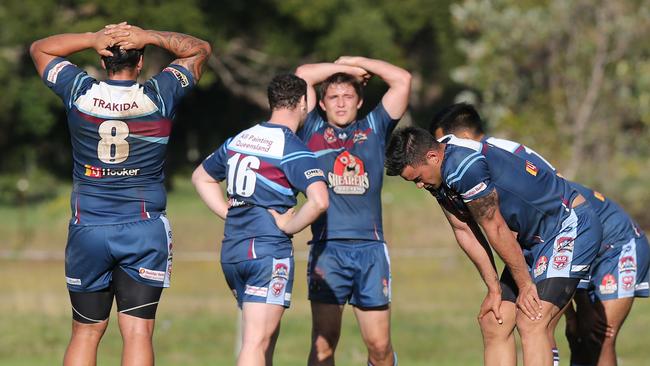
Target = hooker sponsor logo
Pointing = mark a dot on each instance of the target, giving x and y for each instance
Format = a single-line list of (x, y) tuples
[(150, 274), (179, 76), (542, 264), (312, 173), (96, 172), (608, 285), (348, 175)]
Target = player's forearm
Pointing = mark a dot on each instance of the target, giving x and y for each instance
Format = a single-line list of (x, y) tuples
[(212, 196), (509, 250), (190, 51), (63, 45), (480, 257), (393, 75), (316, 73), (317, 203)]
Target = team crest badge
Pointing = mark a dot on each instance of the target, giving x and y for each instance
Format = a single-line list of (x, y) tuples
[(627, 264), (627, 282), (531, 168), (348, 175), (560, 261), (359, 137), (329, 135)]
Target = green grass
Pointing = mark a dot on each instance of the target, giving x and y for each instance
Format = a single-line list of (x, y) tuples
[(436, 294)]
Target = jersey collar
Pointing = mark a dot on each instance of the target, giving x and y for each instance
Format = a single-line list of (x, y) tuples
[(120, 82)]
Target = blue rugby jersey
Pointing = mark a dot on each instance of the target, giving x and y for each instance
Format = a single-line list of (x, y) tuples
[(533, 201), (119, 131), (353, 161), (618, 226), (264, 167)]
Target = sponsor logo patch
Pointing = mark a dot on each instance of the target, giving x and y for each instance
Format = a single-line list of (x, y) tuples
[(359, 137), (531, 168), (540, 267), (560, 261), (73, 281), (348, 175), (627, 264), (53, 74), (608, 285), (312, 173), (150, 274), (384, 283), (256, 291), (179, 76), (564, 244), (96, 172), (474, 190), (628, 282), (599, 196)]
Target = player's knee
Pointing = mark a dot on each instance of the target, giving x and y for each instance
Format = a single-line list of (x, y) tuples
[(91, 331), (380, 348), (492, 330), (527, 327)]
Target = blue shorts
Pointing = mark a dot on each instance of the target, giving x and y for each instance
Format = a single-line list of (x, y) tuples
[(357, 272), (267, 280), (572, 251), (621, 271), (142, 248)]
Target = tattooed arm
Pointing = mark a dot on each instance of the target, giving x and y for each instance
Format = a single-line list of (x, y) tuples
[(485, 211), (190, 52)]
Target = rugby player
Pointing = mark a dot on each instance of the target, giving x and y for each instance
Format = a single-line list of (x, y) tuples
[(504, 193), (348, 259), (119, 241), (264, 167), (619, 273)]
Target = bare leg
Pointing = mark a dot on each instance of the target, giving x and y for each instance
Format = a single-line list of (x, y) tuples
[(82, 349), (325, 333), (534, 336), (260, 324), (499, 339), (137, 336), (375, 331), (615, 312)]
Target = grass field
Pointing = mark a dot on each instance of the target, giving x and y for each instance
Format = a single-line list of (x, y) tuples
[(436, 293)]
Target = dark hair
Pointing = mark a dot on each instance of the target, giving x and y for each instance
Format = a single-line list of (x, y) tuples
[(285, 91), (121, 59), (341, 78), (457, 117), (408, 146)]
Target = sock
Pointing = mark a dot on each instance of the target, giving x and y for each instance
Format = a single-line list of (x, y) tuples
[(556, 357)]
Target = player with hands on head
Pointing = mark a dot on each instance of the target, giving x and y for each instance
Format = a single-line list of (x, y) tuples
[(348, 261), (119, 240)]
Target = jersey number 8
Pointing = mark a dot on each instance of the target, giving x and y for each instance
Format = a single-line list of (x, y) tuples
[(241, 175), (113, 147)]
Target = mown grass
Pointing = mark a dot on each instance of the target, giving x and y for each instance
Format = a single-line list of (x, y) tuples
[(436, 293)]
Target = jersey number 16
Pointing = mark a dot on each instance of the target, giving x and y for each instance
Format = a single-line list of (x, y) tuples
[(241, 175)]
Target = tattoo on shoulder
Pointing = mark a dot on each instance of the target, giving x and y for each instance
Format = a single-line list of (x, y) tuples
[(484, 207), (182, 44)]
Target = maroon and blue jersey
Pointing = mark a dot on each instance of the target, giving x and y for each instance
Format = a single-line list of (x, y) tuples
[(264, 167), (533, 201), (353, 161), (119, 131)]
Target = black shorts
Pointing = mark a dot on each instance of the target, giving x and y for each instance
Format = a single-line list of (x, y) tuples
[(556, 290)]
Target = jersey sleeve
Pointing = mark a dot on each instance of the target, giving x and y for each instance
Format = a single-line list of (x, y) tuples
[(169, 87), (381, 122), (66, 80), (312, 122), (216, 163), (300, 165), (469, 175)]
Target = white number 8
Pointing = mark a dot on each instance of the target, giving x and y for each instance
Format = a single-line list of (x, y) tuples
[(113, 133)]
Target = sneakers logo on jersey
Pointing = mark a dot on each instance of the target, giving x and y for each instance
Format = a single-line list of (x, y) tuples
[(608, 285), (348, 175), (542, 264), (96, 172)]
